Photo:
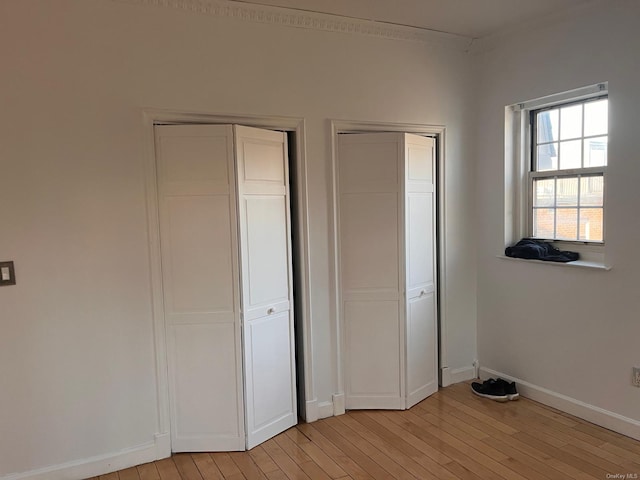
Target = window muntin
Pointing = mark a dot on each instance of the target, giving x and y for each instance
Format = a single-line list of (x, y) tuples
[(568, 164)]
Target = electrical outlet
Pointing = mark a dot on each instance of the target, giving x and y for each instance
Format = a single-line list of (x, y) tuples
[(635, 380)]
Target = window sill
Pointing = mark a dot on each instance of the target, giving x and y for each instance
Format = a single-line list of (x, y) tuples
[(576, 264)]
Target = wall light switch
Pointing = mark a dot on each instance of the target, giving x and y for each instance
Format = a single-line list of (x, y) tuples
[(7, 274)]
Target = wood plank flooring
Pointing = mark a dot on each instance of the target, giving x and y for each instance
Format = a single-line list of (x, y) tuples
[(452, 435)]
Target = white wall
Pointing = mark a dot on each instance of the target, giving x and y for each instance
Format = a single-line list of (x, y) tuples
[(76, 347), (571, 331)]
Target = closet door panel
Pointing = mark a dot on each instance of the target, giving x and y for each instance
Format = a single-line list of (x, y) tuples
[(205, 360), (365, 164), (198, 247), (370, 249), (196, 190), (263, 163), (422, 361), (419, 158), (265, 223), (369, 241), (267, 295), (421, 333), (420, 264), (194, 163), (268, 372), (372, 348)]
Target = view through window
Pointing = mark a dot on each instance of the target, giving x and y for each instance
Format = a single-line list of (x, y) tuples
[(568, 166)]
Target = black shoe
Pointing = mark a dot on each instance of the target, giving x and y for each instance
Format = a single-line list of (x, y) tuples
[(509, 389), (490, 389)]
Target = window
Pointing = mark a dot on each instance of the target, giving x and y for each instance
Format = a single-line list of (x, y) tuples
[(567, 173), (555, 172)]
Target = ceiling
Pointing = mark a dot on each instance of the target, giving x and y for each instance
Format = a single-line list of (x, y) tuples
[(470, 18)]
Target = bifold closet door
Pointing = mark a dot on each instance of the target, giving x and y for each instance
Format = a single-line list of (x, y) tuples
[(226, 266), (267, 288), (198, 231), (370, 240), (421, 329), (387, 268)]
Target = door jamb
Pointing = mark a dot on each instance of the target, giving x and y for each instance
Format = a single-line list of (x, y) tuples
[(152, 117), (354, 126)]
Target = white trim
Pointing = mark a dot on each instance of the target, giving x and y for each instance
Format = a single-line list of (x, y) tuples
[(99, 465), (325, 409), (334, 267), (311, 411), (605, 418), (441, 215), (163, 446), (575, 264), (153, 116), (449, 376), (354, 126), (287, 17), (331, 408), (577, 94), (338, 404), (515, 172), (569, 172), (369, 402), (155, 263)]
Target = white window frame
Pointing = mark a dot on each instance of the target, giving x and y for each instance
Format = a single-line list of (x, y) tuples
[(519, 172)]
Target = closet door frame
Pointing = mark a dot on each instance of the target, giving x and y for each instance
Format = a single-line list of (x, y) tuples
[(308, 405), (438, 132)]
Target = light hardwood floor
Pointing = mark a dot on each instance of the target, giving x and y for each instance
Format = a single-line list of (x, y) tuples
[(451, 435)]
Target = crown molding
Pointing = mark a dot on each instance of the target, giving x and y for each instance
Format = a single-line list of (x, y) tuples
[(286, 17)]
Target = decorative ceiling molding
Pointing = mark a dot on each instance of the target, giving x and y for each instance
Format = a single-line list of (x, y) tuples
[(310, 20)]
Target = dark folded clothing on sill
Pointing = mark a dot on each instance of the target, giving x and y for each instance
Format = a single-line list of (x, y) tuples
[(539, 250)]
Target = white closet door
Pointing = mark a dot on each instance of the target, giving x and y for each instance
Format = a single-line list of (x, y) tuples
[(387, 268), (421, 339), (371, 279), (198, 228), (267, 295)]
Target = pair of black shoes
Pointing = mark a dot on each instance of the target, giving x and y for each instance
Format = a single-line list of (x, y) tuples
[(496, 389)]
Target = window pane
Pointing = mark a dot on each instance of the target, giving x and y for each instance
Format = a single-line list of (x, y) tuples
[(570, 144), (595, 152), (571, 122), (547, 129), (591, 224), (543, 222), (547, 157), (570, 154), (544, 193), (596, 118), (567, 192), (567, 224), (592, 191)]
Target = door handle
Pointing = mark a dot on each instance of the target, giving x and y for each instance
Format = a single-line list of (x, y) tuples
[(423, 293), (271, 311)]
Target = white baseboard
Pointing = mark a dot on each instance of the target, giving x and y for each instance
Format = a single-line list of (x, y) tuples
[(449, 376), (338, 404), (591, 413), (163, 445), (311, 411), (325, 409), (101, 464)]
